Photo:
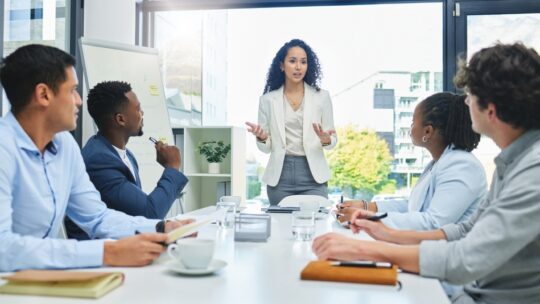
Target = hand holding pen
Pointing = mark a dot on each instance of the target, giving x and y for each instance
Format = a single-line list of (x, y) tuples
[(372, 225), (167, 156)]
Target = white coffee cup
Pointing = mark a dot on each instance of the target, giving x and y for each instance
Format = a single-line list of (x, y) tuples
[(192, 253), (231, 198), (309, 206)]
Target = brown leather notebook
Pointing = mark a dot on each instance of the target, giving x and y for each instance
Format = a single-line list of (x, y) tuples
[(324, 271)]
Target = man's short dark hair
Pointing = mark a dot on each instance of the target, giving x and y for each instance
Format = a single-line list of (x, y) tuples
[(105, 100), (508, 76), (30, 65)]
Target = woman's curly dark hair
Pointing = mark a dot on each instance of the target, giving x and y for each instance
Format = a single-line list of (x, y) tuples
[(275, 77), (507, 75)]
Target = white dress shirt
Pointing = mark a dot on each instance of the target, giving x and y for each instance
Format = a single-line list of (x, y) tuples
[(123, 156)]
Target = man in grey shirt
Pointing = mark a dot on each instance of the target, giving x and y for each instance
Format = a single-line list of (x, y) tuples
[(496, 252)]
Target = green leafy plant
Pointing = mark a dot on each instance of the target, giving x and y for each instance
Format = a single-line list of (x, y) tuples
[(214, 151)]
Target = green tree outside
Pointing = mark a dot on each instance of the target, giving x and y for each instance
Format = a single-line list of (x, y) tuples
[(254, 188), (360, 162)]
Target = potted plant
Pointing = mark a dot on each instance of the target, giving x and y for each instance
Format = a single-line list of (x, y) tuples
[(214, 152)]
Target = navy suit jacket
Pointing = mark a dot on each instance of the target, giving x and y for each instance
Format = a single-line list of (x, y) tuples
[(120, 190)]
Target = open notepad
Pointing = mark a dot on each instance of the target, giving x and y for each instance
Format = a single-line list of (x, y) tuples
[(62, 283), (188, 229)]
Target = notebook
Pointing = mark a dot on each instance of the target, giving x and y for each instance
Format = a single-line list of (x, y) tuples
[(324, 271), (62, 283), (280, 209), (186, 230)]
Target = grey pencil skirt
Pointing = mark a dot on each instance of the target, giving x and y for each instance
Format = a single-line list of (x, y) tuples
[(295, 179)]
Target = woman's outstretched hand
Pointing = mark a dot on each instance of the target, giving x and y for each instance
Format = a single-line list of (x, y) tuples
[(324, 136), (256, 130)]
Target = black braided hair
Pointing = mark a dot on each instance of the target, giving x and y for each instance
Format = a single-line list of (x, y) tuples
[(448, 113)]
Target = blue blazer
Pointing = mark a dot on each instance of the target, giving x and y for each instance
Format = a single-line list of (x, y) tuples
[(119, 190), (449, 193)]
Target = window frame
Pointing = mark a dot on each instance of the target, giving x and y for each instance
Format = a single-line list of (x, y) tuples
[(456, 13)]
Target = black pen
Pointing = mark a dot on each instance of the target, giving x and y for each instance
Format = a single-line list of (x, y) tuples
[(155, 141), (369, 264), (373, 218), (341, 202)]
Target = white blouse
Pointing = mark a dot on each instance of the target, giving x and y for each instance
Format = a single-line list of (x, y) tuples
[(294, 126)]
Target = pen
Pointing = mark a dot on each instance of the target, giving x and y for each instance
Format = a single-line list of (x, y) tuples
[(155, 141), (369, 264), (373, 218), (341, 202), (377, 217)]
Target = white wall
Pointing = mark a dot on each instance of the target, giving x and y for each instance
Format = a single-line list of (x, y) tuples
[(110, 20), (106, 20)]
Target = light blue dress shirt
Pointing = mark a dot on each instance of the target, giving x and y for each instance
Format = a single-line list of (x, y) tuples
[(448, 191), (38, 190)]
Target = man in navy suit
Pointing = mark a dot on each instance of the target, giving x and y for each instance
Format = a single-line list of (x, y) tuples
[(113, 169)]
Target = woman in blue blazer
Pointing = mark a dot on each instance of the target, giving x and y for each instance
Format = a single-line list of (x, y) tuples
[(295, 124), (452, 184)]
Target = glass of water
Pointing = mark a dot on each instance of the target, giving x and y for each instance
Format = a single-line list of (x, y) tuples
[(303, 225), (229, 211)]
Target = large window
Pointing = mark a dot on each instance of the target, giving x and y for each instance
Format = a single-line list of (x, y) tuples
[(378, 62), (484, 29), (34, 21)]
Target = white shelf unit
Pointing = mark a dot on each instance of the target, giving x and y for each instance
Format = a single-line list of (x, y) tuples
[(204, 188)]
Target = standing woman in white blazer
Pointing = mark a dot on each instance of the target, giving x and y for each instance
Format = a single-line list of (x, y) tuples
[(295, 124)]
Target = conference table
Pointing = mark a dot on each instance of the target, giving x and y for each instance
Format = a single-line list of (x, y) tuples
[(265, 272)]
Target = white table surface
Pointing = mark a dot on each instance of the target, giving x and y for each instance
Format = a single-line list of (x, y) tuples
[(256, 273)]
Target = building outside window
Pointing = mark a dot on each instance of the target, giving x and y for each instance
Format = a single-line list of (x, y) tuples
[(34, 21)]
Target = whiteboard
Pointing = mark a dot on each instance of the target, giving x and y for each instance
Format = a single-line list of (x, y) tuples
[(139, 66)]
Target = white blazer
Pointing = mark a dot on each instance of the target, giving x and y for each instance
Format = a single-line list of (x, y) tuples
[(317, 109)]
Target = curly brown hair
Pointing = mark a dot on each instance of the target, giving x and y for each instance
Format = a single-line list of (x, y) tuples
[(508, 76)]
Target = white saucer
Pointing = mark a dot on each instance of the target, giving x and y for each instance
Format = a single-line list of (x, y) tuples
[(214, 266)]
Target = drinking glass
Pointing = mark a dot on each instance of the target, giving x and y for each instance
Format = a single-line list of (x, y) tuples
[(303, 225), (229, 211)]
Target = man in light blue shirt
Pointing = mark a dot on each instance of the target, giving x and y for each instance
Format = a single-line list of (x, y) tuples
[(43, 178)]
